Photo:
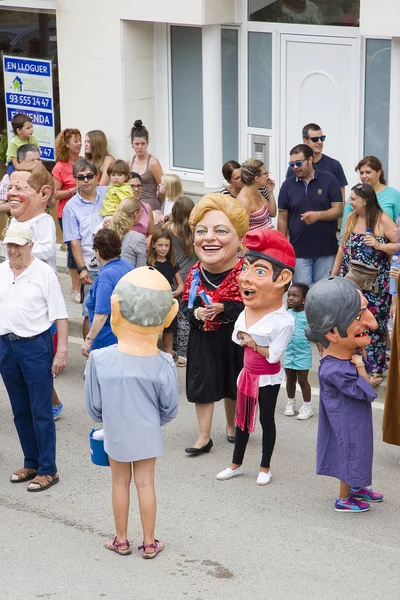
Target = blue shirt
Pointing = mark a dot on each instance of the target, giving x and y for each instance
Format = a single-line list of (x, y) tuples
[(99, 298), (326, 163), (80, 220), (318, 239)]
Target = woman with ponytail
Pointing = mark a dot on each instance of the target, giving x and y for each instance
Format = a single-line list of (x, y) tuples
[(125, 217)]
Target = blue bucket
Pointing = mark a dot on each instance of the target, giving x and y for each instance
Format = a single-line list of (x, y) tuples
[(97, 453)]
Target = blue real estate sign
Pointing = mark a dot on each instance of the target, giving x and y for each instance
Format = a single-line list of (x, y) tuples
[(28, 85)]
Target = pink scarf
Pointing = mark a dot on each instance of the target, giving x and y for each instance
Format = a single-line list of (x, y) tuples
[(254, 365)]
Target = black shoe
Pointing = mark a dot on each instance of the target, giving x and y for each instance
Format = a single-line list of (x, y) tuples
[(202, 450), (231, 438)]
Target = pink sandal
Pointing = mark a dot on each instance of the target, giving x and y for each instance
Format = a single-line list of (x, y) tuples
[(115, 546), (157, 547)]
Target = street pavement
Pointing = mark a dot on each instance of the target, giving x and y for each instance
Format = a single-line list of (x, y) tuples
[(224, 539)]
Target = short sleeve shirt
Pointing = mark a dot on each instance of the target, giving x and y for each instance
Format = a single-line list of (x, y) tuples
[(318, 239), (81, 219), (168, 270), (16, 143), (99, 298), (326, 163), (31, 302)]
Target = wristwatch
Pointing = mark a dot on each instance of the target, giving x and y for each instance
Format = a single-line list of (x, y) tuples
[(80, 269)]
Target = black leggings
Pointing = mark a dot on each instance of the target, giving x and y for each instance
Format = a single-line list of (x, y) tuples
[(267, 397)]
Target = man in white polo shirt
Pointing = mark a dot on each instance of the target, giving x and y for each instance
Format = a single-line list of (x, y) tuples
[(30, 301)]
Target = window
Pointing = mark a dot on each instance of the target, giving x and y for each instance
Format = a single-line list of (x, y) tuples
[(306, 12), (187, 97), (260, 80), (230, 101), (377, 100)]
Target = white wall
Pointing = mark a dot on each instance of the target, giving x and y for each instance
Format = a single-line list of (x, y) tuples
[(380, 18), (106, 72), (138, 79)]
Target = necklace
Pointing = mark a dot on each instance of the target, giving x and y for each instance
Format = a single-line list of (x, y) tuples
[(208, 281)]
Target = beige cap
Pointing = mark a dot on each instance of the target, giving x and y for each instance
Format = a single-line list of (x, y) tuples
[(19, 234)]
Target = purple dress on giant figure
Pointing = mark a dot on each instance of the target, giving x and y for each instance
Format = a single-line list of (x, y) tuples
[(345, 434), (338, 318)]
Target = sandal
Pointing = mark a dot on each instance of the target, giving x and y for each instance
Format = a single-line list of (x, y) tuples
[(375, 379), (42, 482), (75, 297), (115, 546), (157, 547), (23, 475), (180, 361)]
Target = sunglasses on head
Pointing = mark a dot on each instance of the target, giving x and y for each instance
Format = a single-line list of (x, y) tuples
[(89, 177), (316, 139)]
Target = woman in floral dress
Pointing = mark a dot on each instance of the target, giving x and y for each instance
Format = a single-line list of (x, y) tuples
[(373, 249)]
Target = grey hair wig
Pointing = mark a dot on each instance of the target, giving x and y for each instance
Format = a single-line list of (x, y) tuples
[(142, 306), (332, 302)]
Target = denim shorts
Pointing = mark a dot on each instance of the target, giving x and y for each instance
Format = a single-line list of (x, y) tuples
[(86, 289)]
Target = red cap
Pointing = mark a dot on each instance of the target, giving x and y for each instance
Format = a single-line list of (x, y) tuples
[(271, 245)]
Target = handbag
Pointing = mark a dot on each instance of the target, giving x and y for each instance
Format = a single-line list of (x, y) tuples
[(365, 276)]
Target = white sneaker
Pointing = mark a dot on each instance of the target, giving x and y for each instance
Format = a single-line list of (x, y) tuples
[(264, 478), (290, 409), (305, 412), (229, 473)]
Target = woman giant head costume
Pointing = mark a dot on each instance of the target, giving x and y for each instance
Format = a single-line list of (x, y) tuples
[(219, 224)]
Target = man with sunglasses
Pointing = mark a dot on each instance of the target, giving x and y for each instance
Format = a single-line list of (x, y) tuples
[(80, 219), (310, 203), (313, 137)]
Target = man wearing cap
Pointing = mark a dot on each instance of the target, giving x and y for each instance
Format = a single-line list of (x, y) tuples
[(264, 328), (30, 301), (30, 194)]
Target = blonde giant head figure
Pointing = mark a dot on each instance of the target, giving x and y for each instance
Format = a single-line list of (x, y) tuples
[(219, 224)]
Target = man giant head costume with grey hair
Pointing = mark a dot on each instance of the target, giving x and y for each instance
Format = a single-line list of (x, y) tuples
[(141, 306)]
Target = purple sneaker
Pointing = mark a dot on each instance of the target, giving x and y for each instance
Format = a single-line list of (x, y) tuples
[(367, 494), (351, 505)]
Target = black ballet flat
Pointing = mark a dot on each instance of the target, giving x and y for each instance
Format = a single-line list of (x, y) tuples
[(231, 438), (202, 450)]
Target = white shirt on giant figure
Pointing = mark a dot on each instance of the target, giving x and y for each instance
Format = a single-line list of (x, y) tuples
[(30, 303), (43, 236), (273, 330)]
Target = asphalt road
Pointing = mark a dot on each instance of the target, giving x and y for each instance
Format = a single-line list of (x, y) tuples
[(230, 539)]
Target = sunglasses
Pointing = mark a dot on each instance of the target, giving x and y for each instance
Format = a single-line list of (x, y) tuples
[(316, 139), (296, 163), (89, 177)]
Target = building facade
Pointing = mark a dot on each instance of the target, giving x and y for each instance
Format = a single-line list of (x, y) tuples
[(227, 79)]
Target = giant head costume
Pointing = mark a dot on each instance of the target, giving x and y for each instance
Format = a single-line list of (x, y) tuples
[(142, 305), (338, 316), (31, 191), (268, 269), (219, 224)]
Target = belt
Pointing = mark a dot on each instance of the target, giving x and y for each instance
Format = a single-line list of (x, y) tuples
[(16, 338)]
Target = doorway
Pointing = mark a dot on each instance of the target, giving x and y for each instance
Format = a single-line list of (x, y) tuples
[(320, 84)]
